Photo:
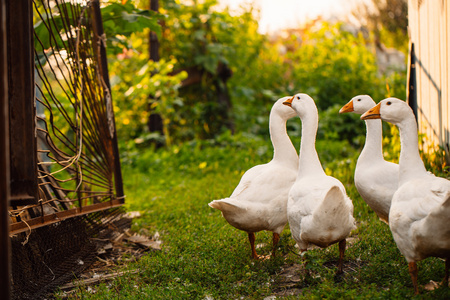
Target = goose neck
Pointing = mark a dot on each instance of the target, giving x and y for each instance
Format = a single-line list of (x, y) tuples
[(373, 146), (309, 162), (410, 163), (284, 150)]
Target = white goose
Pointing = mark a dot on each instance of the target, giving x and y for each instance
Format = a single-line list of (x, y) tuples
[(259, 201), (319, 210), (375, 179), (420, 210)]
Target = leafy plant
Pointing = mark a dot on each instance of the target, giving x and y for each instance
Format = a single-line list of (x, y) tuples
[(211, 46), (145, 84), (121, 21)]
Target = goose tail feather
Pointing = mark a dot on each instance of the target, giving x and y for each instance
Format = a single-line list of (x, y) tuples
[(331, 221)]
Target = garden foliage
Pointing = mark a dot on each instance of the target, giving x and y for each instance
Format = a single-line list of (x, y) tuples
[(324, 60)]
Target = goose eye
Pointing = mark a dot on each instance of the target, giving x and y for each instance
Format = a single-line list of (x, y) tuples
[(298, 97), (388, 103), (359, 99)]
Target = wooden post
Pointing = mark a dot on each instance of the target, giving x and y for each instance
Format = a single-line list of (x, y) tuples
[(5, 265), (154, 42), (155, 121), (412, 85), (22, 112)]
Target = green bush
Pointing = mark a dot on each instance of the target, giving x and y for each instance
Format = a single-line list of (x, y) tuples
[(324, 60)]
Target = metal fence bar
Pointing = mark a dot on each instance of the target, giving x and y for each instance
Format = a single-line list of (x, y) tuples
[(98, 29), (5, 264)]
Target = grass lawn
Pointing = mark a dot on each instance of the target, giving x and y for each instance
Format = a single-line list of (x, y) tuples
[(203, 257)]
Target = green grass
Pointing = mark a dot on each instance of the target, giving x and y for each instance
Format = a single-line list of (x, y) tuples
[(204, 257)]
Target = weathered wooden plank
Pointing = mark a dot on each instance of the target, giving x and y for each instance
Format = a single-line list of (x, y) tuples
[(443, 48), (419, 53), (5, 265), (446, 107), (434, 74), (23, 154), (24, 226), (429, 30), (423, 60)]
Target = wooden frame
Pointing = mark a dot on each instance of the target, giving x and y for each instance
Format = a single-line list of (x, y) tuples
[(30, 198), (24, 182), (5, 265)]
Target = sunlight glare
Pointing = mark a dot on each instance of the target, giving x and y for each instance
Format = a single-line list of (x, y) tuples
[(276, 15)]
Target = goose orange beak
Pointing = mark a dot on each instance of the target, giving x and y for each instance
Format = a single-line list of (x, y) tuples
[(288, 102), (373, 113), (347, 107)]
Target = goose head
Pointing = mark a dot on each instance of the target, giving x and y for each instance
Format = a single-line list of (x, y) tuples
[(302, 104), (392, 110), (358, 104), (282, 110)]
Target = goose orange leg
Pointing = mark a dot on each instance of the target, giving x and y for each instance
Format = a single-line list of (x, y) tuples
[(275, 240), (412, 267), (342, 245), (251, 238)]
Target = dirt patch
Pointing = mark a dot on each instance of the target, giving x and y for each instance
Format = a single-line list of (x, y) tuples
[(289, 281), (294, 278)]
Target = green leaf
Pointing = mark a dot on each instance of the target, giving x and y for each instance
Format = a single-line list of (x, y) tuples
[(125, 19)]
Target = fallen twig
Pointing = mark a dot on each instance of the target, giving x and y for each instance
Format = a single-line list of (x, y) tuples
[(91, 281)]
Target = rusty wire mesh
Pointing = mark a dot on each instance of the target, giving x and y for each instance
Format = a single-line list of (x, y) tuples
[(54, 254)]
